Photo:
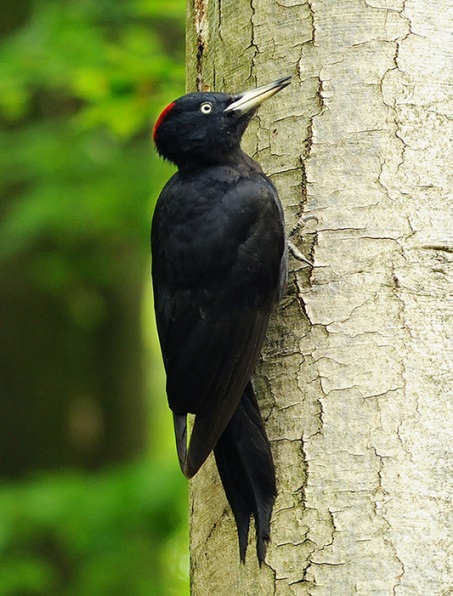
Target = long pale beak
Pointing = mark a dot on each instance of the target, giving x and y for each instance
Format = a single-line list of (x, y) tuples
[(252, 99)]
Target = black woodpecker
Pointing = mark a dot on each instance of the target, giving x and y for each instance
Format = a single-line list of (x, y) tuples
[(219, 266)]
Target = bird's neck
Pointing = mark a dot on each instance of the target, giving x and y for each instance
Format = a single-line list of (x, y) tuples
[(236, 159)]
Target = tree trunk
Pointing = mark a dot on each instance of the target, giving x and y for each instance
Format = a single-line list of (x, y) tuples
[(356, 376)]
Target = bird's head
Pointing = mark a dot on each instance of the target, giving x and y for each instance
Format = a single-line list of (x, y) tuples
[(205, 128)]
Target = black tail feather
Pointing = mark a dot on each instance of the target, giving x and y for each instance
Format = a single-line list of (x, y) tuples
[(246, 468)]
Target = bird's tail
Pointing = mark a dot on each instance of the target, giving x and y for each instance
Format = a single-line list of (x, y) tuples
[(246, 468)]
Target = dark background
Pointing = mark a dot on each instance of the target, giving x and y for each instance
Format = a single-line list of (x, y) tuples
[(92, 501)]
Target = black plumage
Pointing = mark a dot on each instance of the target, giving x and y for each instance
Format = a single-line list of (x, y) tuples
[(219, 266)]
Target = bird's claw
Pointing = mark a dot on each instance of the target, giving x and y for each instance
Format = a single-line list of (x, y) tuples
[(294, 250), (298, 255)]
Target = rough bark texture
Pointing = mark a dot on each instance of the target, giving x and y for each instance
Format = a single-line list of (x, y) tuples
[(357, 373)]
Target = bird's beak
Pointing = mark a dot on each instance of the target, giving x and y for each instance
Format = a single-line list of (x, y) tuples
[(252, 99)]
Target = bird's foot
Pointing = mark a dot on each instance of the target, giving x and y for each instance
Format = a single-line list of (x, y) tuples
[(298, 255), (292, 247)]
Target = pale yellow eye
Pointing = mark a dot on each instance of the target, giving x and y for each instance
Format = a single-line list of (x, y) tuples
[(206, 107)]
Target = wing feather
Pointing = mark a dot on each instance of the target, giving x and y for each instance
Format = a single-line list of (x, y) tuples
[(212, 308)]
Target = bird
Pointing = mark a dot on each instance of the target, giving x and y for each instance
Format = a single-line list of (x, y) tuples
[(219, 268)]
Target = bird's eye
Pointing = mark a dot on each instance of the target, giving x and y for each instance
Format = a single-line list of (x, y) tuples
[(206, 107)]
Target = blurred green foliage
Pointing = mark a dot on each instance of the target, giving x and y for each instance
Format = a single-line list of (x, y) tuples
[(119, 532), (80, 84)]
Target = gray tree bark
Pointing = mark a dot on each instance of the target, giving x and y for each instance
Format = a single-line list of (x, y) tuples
[(356, 375)]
